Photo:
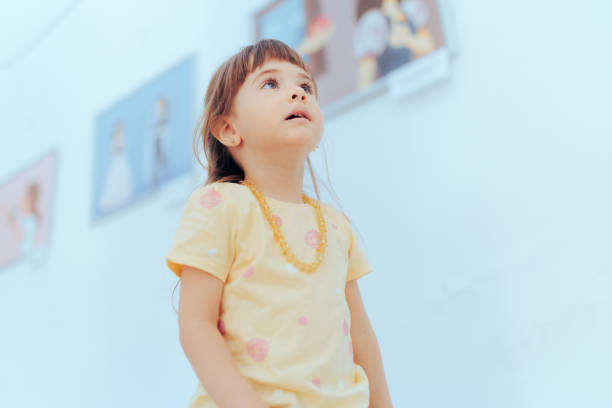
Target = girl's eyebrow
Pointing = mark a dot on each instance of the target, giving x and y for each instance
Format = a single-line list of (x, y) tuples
[(267, 71)]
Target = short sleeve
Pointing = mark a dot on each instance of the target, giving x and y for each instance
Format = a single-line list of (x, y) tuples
[(205, 236), (358, 264), (371, 34)]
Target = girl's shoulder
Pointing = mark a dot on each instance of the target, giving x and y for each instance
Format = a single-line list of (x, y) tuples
[(335, 215), (226, 187), (219, 194), (239, 198)]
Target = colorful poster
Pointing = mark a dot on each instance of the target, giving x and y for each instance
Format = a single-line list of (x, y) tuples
[(144, 140), (352, 45), (25, 212)]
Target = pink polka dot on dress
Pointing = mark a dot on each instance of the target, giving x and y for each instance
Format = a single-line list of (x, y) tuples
[(317, 382), (250, 270), (313, 239), (211, 198), (345, 327), (279, 220), (303, 320), (257, 348)]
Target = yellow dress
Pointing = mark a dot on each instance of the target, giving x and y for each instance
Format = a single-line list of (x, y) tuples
[(288, 331)]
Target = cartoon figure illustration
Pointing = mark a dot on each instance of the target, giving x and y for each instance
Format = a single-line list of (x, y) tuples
[(117, 188), (26, 219), (389, 34), (318, 34), (160, 139), (303, 25)]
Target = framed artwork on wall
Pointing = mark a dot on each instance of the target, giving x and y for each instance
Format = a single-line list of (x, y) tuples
[(143, 141), (26, 208), (357, 48)]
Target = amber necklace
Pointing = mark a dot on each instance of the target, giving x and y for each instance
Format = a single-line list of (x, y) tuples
[(278, 236)]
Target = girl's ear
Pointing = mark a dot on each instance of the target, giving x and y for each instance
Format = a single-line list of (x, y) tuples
[(225, 133)]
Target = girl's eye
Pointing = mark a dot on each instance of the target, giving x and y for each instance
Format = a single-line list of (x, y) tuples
[(306, 86), (270, 80)]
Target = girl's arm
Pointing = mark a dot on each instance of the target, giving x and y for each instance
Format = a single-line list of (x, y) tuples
[(204, 346), (365, 348)]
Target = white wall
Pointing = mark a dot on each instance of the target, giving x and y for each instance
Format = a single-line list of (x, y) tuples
[(484, 205)]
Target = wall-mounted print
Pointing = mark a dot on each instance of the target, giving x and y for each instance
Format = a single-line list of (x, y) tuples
[(144, 140), (26, 207), (353, 46)]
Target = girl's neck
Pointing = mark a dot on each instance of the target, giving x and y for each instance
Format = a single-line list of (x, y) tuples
[(280, 185)]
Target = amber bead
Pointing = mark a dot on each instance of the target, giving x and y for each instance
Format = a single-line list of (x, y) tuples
[(280, 239)]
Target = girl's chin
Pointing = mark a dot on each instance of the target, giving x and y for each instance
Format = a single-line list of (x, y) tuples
[(296, 136)]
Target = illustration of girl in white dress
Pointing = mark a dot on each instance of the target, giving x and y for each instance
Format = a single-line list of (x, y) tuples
[(118, 187)]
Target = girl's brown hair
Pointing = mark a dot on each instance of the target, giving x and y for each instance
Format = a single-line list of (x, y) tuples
[(222, 90)]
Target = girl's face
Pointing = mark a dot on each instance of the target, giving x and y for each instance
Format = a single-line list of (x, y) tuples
[(27, 202), (266, 99), (118, 138), (160, 108)]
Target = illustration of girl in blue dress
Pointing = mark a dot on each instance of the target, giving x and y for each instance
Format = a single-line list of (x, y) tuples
[(389, 34), (160, 140)]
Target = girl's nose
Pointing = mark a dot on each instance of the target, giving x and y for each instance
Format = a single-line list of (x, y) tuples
[(296, 95)]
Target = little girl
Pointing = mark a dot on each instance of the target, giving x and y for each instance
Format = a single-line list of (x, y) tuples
[(270, 313)]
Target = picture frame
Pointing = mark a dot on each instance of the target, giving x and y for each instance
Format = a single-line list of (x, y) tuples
[(26, 212), (143, 142), (358, 49)]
